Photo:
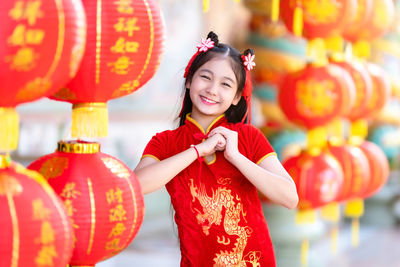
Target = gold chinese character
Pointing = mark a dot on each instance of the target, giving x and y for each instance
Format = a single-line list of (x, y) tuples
[(114, 196), (69, 191), (40, 212), (124, 6), (117, 230), (117, 214), (18, 36), (23, 60), (34, 36), (46, 255), (22, 36), (46, 233), (127, 25), (121, 65), (31, 12), (70, 211), (113, 244), (122, 46)]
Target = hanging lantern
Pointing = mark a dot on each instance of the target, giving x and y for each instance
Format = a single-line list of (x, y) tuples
[(355, 170), (42, 44), (318, 179), (363, 86), (381, 89), (379, 167), (315, 95), (363, 14), (102, 196), (123, 50), (317, 19), (36, 230)]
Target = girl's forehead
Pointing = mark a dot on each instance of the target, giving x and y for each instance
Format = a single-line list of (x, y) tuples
[(220, 66)]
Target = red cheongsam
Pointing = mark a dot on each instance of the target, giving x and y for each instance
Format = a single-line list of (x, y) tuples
[(218, 213)]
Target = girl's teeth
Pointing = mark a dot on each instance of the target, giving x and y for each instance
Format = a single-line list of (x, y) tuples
[(208, 100)]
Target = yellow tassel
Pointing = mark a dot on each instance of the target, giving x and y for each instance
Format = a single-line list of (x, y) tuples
[(334, 239), (337, 134), (317, 52), (206, 5), (275, 10), (331, 212), (316, 140), (89, 120), (305, 244), (305, 216), (362, 49), (9, 129), (354, 208), (358, 131), (355, 232), (334, 44), (298, 21)]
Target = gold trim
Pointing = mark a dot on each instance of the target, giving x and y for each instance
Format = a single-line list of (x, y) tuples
[(98, 39), (16, 236), (199, 126), (78, 148), (151, 156), (211, 161), (60, 39), (89, 105), (92, 216), (5, 161), (266, 156)]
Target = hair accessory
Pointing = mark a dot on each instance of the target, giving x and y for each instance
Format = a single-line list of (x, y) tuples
[(248, 61), (202, 47)]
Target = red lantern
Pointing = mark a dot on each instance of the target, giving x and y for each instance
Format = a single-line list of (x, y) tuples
[(364, 12), (318, 179), (102, 196), (381, 89), (321, 19), (123, 49), (42, 44), (355, 170), (363, 86), (379, 167), (36, 230), (315, 95)]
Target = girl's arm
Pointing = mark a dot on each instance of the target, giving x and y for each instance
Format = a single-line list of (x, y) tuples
[(269, 176), (153, 174)]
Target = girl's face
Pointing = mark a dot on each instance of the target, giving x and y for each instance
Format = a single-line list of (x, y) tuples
[(213, 88)]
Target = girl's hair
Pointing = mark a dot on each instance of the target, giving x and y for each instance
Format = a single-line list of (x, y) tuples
[(235, 113)]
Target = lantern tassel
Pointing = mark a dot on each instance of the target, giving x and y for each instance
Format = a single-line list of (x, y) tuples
[(89, 120), (316, 140), (355, 232), (354, 209), (362, 49), (206, 5), (331, 212), (305, 216), (9, 129), (298, 21), (358, 132), (334, 238), (305, 244), (275, 10)]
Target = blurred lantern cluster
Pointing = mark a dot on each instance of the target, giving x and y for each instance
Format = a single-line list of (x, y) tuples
[(327, 78), (77, 206)]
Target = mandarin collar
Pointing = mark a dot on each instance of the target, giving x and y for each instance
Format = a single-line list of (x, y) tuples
[(196, 127)]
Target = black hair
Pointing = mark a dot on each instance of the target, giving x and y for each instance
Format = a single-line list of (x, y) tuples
[(235, 113)]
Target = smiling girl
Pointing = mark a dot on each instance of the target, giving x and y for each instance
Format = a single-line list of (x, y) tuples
[(213, 164)]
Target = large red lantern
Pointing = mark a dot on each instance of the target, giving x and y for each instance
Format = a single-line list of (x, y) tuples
[(381, 89), (35, 228), (363, 86), (318, 179), (355, 168), (102, 196), (320, 19), (315, 95), (379, 167), (364, 12), (123, 51), (41, 46)]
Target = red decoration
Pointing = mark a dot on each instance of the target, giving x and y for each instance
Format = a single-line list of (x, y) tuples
[(319, 179), (363, 87), (321, 19), (363, 14), (42, 46), (102, 196), (123, 49), (35, 229), (381, 89), (315, 95), (355, 168), (379, 167)]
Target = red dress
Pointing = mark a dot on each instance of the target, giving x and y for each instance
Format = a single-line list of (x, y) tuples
[(218, 214)]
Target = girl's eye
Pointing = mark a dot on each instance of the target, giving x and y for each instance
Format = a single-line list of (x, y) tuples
[(226, 84), (205, 77)]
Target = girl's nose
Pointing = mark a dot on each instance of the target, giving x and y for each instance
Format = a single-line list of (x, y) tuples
[(212, 88)]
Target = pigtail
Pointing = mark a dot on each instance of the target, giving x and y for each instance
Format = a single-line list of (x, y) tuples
[(214, 37), (247, 59)]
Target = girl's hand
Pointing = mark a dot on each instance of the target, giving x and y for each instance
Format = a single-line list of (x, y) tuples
[(231, 148), (213, 143)]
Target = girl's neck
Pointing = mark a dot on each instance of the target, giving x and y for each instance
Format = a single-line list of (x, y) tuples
[(204, 121)]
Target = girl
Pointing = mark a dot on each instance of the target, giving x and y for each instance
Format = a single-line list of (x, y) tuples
[(217, 208)]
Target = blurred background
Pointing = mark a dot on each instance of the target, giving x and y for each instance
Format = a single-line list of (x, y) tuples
[(347, 236)]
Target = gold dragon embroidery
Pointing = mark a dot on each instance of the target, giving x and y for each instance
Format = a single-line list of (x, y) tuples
[(212, 214)]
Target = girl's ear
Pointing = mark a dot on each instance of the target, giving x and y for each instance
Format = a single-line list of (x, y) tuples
[(236, 99)]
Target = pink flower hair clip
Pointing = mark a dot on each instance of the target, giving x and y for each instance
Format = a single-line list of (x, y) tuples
[(248, 61), (205, 45)]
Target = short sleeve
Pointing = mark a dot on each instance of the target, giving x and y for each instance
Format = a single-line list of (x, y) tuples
[(257, 144), (156, 148)]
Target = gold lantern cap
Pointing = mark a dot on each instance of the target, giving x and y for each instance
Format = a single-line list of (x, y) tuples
[(78, 147)]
